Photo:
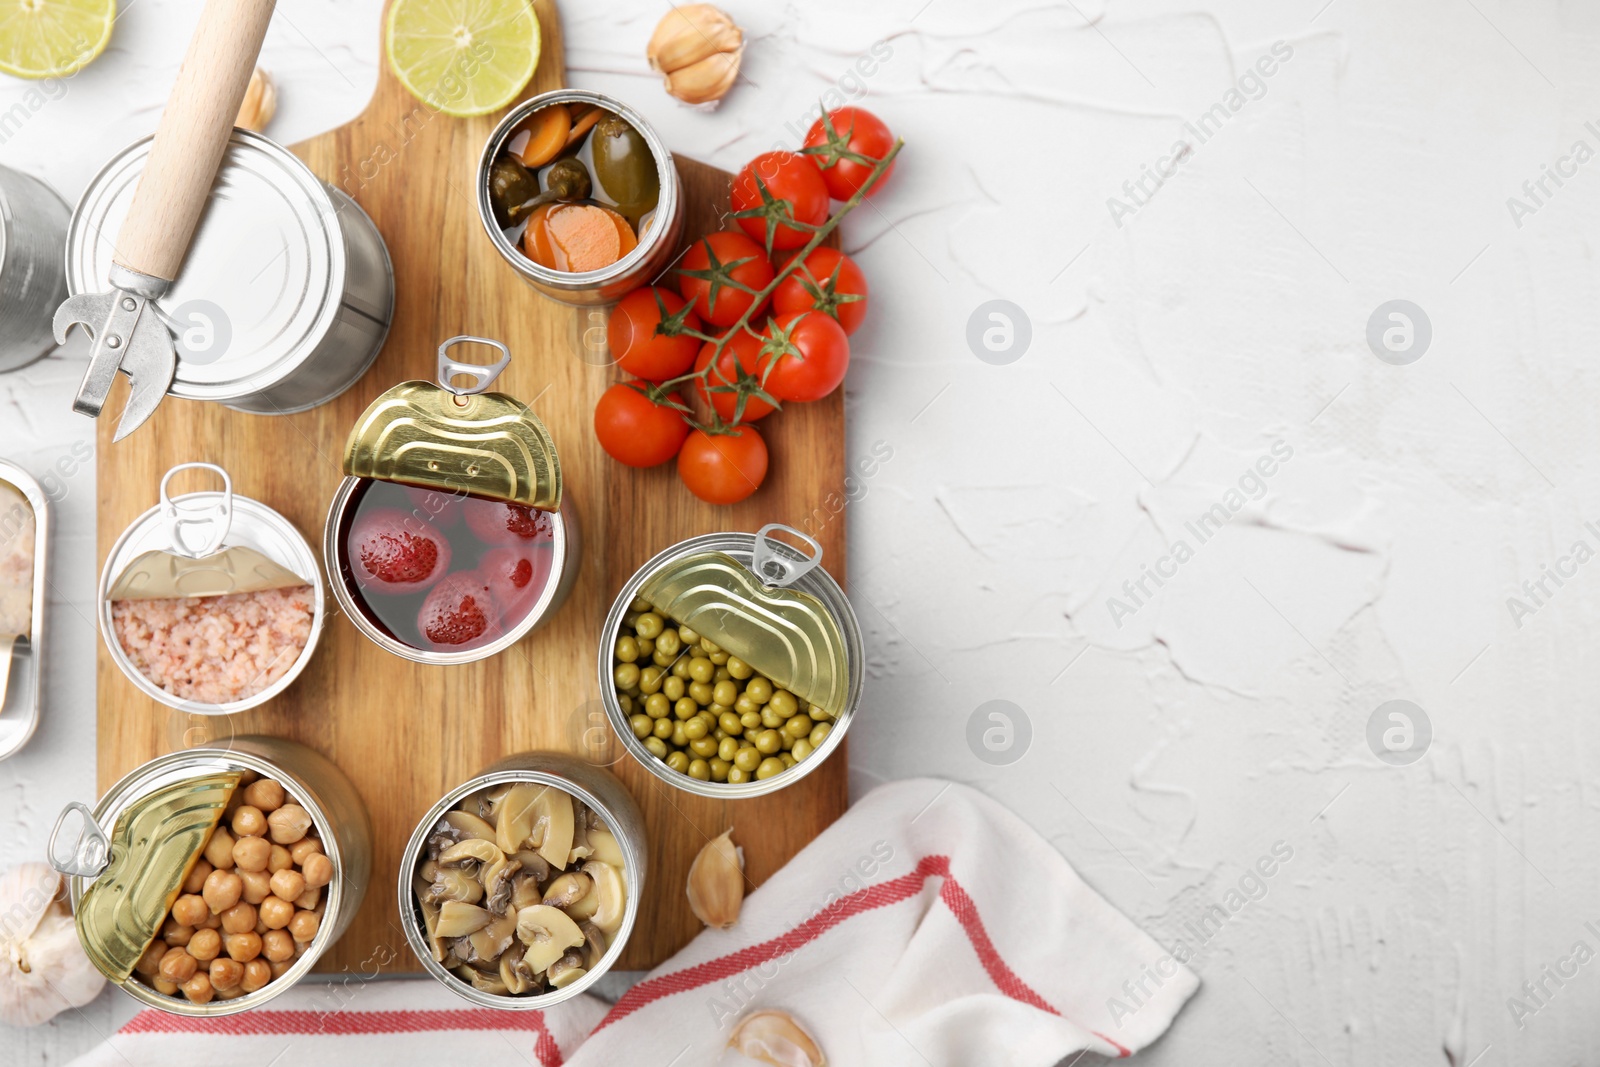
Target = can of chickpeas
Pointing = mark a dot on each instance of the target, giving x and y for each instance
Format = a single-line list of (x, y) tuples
[(731, 663), (206, 882), (519, 889)]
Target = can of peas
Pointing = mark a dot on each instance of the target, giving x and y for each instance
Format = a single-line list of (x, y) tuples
[(731, 664), (207, 882)]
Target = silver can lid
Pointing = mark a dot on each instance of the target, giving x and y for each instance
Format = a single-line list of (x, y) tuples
[(264, 277)]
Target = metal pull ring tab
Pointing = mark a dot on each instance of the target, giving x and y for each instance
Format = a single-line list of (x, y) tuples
[(784, 565), (90, 850), (482, 376), (211, 520)]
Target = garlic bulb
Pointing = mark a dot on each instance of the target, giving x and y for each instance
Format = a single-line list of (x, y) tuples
[(43, 970)]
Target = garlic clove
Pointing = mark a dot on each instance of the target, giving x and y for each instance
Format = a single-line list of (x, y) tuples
[(697, 48), (260, 102), (705, 81), (716, 882), (775, 1037), (43, 969)]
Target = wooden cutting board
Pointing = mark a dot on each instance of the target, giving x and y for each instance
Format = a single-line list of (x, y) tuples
[(406, 733)]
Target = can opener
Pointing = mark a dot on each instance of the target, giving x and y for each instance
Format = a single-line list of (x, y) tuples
[(127, 332)]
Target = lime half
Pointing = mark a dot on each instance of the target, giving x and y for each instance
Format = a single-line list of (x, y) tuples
[(462, 57), (53, 38)]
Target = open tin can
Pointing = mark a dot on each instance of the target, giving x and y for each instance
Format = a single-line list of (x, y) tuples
[(24, 558), (661, 229), (223, 548), (132, 853), (763, 602), (286, 292), (449, 538), (622, 860), (33, 226)]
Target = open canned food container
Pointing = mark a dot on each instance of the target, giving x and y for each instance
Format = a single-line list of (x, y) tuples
[(286, 291), (580, 196), (193, 573), (731, 663), (24, 557), (448, 539), (519, 889), (33, 225), (207, 882)]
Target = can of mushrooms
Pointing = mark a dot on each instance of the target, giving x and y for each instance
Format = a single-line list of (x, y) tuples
[(209, 881), (519, 889), (731, 664)]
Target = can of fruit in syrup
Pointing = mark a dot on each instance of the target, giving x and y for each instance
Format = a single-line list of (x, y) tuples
[(661, 230), (254, 570), (130, 855), (449, 538), (759, 599), (593, 788), (33, 227), (286, 291)]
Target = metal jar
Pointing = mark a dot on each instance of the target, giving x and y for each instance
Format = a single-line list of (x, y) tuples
[(22, 663), (252, 524), (598, 790), (315, 783), (33, 227), (286, 293), (756, 552), (656, 248)]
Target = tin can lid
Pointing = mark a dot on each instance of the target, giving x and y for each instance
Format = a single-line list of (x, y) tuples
[(755, 614), (264, 276), (458, 438)]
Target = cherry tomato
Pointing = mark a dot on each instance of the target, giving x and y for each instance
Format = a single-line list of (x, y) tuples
[(723, 468), (647, 344), (811, 352), (828, 281), (794, 191), (636, 430), (736, 370), (847, 151), (709, 265)]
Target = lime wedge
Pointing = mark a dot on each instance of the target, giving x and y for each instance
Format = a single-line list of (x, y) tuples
[(462, 57), (53, 38)]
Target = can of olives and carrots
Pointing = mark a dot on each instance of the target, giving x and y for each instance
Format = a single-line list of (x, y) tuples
[(484, 831), (449, 538), (738, 635), (198, 565), (33, 226), (286, 292), (142, 857), (601, 159)]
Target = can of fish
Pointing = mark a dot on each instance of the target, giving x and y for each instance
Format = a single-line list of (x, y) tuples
[(33, 227), (745, 611), (188, 577), (141, 859), (507, 188), (286, 292), (449, 540), (519, 889)]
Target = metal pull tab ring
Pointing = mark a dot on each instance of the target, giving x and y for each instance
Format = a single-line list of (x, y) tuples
[(779, 570), (212, 520), (482, 376), (91, 849)]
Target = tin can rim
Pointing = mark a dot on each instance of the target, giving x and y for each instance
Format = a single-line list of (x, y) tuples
[(39, 501), (741, 546), (665, 207), (416, 937), (326, 932), (307, 557), (332, 561)]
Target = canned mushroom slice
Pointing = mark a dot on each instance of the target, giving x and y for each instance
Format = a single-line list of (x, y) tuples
[(449, 539), (190, 575)]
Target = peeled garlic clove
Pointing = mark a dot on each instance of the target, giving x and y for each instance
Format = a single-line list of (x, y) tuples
[(716, 882), (260, 102), (43, 969), (697, 47), (775, 1037)]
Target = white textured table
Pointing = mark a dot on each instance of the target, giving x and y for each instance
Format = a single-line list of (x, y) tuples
[(1197, 531)]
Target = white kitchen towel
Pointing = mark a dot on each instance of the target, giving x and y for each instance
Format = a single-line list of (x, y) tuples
[(929, 925)]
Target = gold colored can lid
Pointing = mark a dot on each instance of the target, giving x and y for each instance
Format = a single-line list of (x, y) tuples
[(460, 439), (139, 869), (755, 614)]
